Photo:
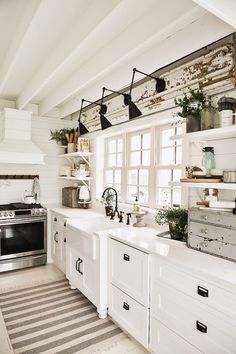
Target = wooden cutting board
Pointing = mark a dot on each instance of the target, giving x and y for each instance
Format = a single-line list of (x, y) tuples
[(201, 180)]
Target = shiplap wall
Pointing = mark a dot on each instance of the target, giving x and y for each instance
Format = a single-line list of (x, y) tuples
[(50, 185)]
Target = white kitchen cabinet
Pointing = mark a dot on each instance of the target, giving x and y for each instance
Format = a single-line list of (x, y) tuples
[(165, 341), (129, 289), (86, 265), (58, 240), (81, 272), (193, 308)]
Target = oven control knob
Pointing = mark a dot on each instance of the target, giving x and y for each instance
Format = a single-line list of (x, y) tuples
[(11, 214)]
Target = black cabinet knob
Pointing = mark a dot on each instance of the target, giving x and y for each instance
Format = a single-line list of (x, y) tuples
[(126, 257), (55, 219), (202, 291), (64, 240), (65, 223), (201, 327), (125, 306)]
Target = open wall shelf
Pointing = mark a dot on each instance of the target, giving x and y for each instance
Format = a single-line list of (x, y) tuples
[(207, 135), (229, 186)]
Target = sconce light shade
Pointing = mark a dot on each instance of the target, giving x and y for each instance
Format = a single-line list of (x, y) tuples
[(82, 129), (103, 110), (134, 112)]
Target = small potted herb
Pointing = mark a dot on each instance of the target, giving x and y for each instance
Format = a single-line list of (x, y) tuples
[(177, 219), (191, 106), (59, 135)]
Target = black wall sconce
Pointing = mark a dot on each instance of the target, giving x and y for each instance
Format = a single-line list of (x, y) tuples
[(160, 83), (103, 110), (82, 129), (134, 112)]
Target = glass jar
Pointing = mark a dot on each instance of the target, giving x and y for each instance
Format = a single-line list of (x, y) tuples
[(208, 159), (208, 117)]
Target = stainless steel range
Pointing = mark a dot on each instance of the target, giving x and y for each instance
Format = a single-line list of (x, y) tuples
[(23, 236)]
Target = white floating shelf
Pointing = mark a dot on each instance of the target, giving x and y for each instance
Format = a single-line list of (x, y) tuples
[(230, 186), (77, 154), (210, 134), (76, 178)]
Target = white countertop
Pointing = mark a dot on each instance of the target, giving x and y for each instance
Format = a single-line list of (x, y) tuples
[(220, 271)]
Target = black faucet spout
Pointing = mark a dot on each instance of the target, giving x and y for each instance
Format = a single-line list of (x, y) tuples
[(116, 198)]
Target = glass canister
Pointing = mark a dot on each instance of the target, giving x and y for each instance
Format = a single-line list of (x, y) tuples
[(209, 117), (208, 159)]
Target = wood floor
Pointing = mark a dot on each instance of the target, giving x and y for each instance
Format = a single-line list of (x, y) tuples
[(42, 274)]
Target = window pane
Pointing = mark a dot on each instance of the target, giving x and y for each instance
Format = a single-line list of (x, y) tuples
[(165, 137), (117, 188), (119, 145), (111, 160), (164, 196), (132, 177), (164, 176), (119, 160), (146, 158), (146, 141), (178, 155), (118, 176), (132, 193), (135, 142), (143, 177), (112, 146), (179, 130), (108, 185), (177, 196), (143, 194), (135, 158), (167, 156), (177, 175), (109, 177)]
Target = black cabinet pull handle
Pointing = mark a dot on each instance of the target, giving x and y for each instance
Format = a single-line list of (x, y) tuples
[(125, 306), (202, 291), (79, 270), (55, 219), (201, 327), (55, 239), (76, 264), (126, 257)]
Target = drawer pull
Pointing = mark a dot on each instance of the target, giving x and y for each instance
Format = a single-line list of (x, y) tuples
[(126, 257), (202, 291), (76, 264), (65, 223), (79, 270), (64, 240), (125, 306), (55, 237), (55, 220), (201, 327)]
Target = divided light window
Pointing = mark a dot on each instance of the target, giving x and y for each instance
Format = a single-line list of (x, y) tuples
[(168, 168), (113, 163), (139, 161)]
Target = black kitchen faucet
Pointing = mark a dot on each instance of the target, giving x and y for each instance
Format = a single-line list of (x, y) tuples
[(116, 201)]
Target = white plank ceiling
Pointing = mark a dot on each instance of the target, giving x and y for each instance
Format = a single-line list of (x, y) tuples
[(55, 52)]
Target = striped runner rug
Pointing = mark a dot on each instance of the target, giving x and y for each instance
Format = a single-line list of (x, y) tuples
[(52, 318)]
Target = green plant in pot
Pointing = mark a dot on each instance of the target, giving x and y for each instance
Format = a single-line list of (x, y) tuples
[(191, 106), (59, 135), (177, 219)]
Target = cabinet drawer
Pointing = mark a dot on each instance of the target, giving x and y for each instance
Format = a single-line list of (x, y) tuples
[(228, 220), (83, 242), (165, 341), (221, 249), (217, 233), (129, 314), (129, 271), (204, 292), (210, 333)]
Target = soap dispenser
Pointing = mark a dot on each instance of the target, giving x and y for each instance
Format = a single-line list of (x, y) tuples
[(136, 207)]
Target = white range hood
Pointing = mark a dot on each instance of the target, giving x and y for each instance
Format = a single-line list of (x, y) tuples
[(16, 145)]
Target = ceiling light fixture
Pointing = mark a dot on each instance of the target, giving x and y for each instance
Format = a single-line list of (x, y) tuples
[(82, 129), (160, 83)]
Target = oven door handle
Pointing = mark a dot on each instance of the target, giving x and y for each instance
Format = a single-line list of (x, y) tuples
[(17, 221)]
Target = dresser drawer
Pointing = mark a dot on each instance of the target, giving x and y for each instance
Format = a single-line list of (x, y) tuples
[(217, 298), (165, 341), (216, 233), (221, 219), (221, 249), (129, 271), (210, 333), (129, 314)]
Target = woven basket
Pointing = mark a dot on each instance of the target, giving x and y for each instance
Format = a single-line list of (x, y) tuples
[(70, 197)]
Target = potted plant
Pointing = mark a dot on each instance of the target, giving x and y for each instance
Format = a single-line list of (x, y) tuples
[(176, 218), (59, 135), (192, 104)]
